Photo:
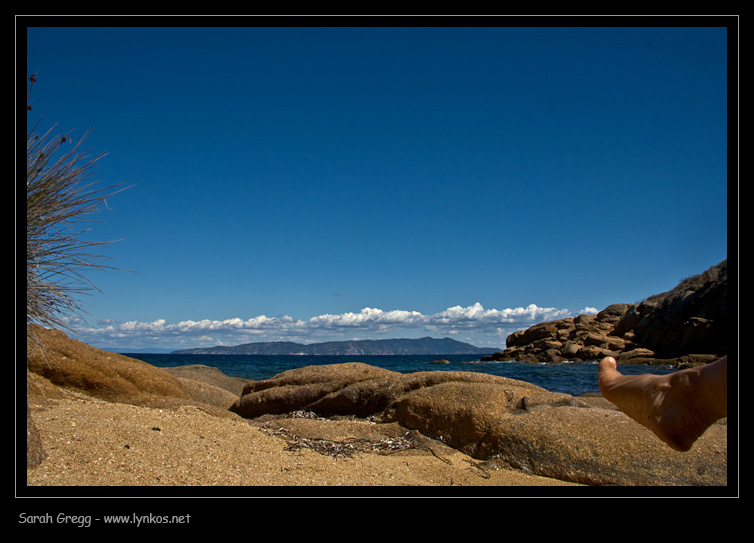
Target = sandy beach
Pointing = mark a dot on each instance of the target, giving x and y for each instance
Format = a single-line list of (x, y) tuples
[(92, 442)]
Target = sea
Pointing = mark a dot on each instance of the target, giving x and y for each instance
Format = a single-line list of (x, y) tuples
[(573, 378)]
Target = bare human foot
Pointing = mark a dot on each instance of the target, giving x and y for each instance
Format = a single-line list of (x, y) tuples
[(677, 407)]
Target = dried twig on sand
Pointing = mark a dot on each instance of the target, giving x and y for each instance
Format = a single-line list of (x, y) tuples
[(340, 449), (337, 449)]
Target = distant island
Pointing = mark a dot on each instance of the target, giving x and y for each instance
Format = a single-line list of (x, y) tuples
[(422, 346)]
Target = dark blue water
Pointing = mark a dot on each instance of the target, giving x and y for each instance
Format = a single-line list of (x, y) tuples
[(575, 379)]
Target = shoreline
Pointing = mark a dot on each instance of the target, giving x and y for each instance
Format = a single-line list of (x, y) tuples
[(580, 377), (109, 421)]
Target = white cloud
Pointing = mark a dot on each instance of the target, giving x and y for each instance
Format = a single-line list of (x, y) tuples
[(368, 318), (488, 326), (476, 316)]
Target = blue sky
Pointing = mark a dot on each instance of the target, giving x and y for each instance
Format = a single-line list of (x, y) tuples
[(313, 184)]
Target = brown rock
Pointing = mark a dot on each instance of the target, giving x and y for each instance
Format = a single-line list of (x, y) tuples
[(76, 366), (545, 344), (493, 357), (456, 413), (211, 376), (571, 348), (605, 447), (298, 388), (208, 394), (584, 320), (552, 356), (635, 353), (565, 324), (594, 353), (509, 354), (613, 343), (613, 313), (594, 339), (333, 375), (538, 331), (514, 339)]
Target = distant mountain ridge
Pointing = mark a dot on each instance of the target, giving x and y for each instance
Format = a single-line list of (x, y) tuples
[(422, 346)]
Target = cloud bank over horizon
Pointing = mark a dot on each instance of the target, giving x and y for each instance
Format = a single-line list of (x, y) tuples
[(473, 324)]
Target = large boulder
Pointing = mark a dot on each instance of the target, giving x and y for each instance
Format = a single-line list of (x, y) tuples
[(300, 388), (600, 446), (349, 389), (464, 412), (494, 419), (78, 367)]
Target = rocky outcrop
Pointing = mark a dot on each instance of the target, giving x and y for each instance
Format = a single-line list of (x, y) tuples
[(497, 420), (687, 325), (691, 318), (586, 337)]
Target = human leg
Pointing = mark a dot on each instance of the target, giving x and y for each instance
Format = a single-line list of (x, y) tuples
[(677, 407)]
